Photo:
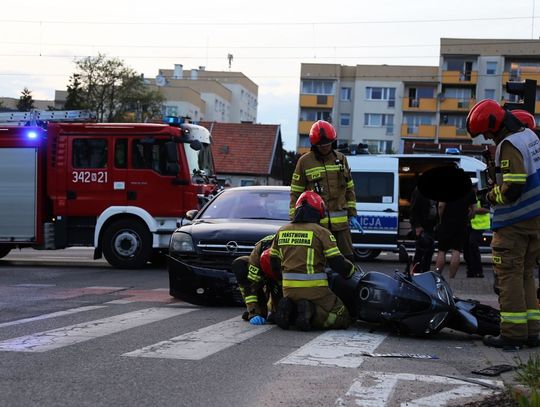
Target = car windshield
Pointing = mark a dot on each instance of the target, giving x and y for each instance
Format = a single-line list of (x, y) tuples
[(249, 204)]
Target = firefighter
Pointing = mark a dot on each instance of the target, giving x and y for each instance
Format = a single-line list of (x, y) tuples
[(326, 171), (515, 223), (479, 223), (260, 288), (301, 250)]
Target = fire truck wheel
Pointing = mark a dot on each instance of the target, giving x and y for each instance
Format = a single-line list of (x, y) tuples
[(4, 251), (127, 244)]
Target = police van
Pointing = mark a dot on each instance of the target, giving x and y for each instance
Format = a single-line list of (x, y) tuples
[(383, 186)]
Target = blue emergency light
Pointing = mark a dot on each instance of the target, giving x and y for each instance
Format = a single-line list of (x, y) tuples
[(32, 135)]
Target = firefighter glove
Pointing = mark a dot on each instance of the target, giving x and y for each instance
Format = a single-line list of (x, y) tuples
[(257, 320), (354, 224)]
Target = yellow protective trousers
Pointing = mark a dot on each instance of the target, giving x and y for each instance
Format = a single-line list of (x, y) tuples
[(516, 251)]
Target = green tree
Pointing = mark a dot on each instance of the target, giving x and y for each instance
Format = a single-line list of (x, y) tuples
[(75, 98), (112, 90), (26, 102)]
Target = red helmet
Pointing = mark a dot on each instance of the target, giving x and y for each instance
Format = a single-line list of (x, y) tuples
[(486, 116), (312, 199), (265, 265), (322, 133), (525, 117)]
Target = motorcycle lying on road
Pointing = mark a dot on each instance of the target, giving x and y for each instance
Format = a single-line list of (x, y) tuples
[(412, 304)]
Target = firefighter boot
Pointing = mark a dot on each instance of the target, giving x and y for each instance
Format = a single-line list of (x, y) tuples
[(503, 342), (305, 312), (245, 316), (284, 313)]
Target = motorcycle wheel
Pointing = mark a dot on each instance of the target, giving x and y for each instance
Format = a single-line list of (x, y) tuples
[(489, 320)]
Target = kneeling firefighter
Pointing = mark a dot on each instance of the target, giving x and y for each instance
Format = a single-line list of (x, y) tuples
[(260, 287), (300, 250)]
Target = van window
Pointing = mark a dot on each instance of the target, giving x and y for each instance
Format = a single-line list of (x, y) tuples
[(374, 187)]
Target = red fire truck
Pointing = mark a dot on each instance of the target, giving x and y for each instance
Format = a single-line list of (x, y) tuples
[(120, 188)]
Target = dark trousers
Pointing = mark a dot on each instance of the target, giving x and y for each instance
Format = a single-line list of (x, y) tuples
[(423, 252), (471, 252)]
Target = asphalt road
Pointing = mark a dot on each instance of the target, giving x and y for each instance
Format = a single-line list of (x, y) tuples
[(75, 332)]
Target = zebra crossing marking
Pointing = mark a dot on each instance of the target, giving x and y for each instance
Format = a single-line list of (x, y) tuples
[(72, 334), (52, 315), (378, 388), (204, 342), (335, 348)]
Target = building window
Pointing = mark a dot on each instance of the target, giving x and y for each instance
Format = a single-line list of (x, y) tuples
[(491, 67), (345, 119), (378, 120), (247, 182), (314, 115), (345, 94), (489, 94), (318, 87), (379, 146), (171, 111), (375, 93)]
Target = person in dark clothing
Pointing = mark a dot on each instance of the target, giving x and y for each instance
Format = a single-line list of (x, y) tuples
[(479, 223), (423, 219), (454, 217)]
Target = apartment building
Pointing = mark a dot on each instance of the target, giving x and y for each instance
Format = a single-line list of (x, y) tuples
[(229, 97), (385, 106)]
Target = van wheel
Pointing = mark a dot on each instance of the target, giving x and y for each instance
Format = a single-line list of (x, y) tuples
[(366, 254), (127, 244), (4, 251)]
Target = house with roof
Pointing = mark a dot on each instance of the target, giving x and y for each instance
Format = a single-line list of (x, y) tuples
[(247, 153)]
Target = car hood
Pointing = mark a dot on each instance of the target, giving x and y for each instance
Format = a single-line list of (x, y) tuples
[(236, 229)]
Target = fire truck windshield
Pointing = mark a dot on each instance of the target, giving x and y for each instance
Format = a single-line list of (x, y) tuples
[(200, 160)]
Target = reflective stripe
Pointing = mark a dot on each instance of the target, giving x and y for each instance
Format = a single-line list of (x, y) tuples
[(517, 178), (480, 221), (514, 317), (330, 320), (276, 253), (340, 219), (250, 299), (351, 204), (297, 188), (333, 251), (533, 315), (498, 196), (350, 184), (305, 284), (309, 261), (296, 176), (291, 210), (304, 277)]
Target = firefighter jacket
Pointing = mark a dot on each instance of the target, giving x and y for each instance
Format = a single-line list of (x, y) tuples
[(303, 250), (330, 177), (518, 157), (255, 275)]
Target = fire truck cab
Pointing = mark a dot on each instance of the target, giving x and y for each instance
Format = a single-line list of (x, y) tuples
[(121, 188)]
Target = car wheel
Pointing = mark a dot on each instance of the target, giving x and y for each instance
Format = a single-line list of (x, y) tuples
[(366, 254), (4, 251), (127, 244)]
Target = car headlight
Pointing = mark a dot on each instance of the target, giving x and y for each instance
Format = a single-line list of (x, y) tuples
[(181, 242)]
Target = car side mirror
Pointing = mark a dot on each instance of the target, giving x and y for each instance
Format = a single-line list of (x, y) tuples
[(190, 215)]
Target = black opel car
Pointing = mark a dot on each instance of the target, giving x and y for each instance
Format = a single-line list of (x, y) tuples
[(201, 253)]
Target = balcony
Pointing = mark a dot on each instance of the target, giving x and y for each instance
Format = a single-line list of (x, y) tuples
[(427, 131), (419, 105), (520, 76), (458, 105), (453, 133), (304, 126), (325, 101), (459, 77)]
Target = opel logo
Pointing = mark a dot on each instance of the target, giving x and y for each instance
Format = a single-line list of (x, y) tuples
[(232, 247)]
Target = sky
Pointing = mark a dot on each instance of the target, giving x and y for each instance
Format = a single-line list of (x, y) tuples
[(41, 39)]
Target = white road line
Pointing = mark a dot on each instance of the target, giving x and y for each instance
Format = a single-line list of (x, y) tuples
[(69, 335), (204, 342), (377, 389), (335, 348), (52, 315), (97, 287)]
